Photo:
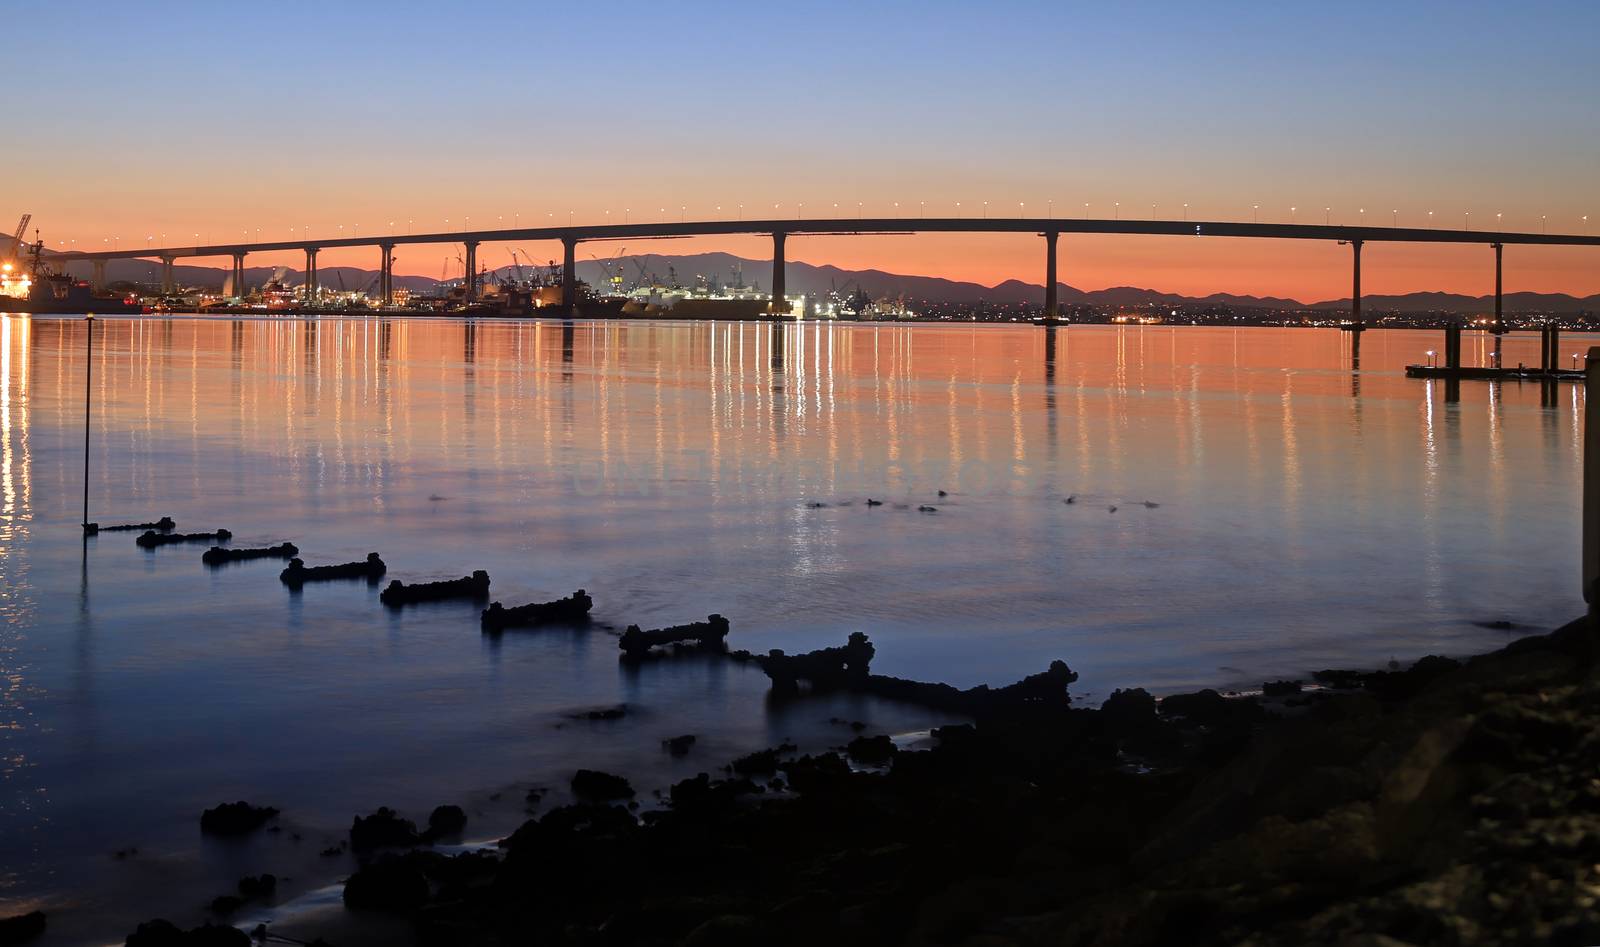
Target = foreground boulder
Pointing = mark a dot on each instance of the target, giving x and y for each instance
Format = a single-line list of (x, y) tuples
[(21, 928), (163, 933), (235, 818)]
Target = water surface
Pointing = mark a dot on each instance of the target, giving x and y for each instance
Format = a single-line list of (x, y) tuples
[(1276, 512)]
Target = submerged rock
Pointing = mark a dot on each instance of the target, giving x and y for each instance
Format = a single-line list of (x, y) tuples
[(253, 887), (384, 828), (600, 786), (679, 745), (572, 610), (151, 539), (298, 573), (235, 818), (474, 586), (217, 555), (873, 750), (393, 883)]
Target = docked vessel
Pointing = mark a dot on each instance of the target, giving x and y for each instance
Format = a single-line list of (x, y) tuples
[(29, 284)]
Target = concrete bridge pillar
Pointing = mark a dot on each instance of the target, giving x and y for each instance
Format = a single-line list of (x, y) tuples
[(1355, 290), (1550, 347), (1591, 482), (168, 283), (311, 274), (238, 275), (778, 304), (569, 272), (97, 281), (1452, 346), (471, 282), (386, 274), (1052, 309), (1499, 323)]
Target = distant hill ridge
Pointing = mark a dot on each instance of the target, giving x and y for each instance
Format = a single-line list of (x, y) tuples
[(812, 279)]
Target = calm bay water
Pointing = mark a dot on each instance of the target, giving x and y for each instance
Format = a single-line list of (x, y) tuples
[(1300, 515)]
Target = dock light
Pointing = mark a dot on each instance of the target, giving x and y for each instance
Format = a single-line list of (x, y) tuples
[(1574, 361), (1291, 214), (1327, 214), (1430, 358)]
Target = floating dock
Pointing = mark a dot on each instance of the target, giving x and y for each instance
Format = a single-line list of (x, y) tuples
[(1519, 373)]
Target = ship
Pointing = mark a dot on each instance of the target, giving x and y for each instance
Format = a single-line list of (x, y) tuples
[(31, 285)]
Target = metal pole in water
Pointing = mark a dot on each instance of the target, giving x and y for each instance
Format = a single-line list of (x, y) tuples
[(88, 391)]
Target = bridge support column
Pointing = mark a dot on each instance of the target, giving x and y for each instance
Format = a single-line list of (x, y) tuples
[(1052, 309), (1499, 324), (238, 275), (778, 303), (1355, 289), (311, 274), (1452, 346), (168, 283), (97, 281), (1591, 483), (471, 283), (386, 274), (569, 273), (1550, 347)]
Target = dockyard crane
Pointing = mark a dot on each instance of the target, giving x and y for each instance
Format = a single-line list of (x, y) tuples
[(517, 267), (16, 242)]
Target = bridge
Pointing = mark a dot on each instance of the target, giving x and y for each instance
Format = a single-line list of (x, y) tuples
[(1048, 228)]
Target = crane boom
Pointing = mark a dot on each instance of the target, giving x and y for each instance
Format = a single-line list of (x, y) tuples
[(16, 242)]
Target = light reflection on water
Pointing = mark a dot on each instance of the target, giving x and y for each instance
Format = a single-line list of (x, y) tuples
[(1307, 516)]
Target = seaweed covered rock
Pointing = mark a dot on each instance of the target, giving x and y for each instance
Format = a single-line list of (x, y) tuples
[(474, 586), (710, 634), (596, 785), (235, 818), (298, 573), (572, 610), (382, 829)]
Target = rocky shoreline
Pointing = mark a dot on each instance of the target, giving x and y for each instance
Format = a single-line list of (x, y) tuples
[(1452, 802)]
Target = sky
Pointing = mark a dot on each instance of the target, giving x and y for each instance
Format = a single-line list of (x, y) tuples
[(130, 121)]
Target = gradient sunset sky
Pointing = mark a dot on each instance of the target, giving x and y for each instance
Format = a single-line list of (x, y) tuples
[(128, 121)]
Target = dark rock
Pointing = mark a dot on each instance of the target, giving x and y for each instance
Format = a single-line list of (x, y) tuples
[(235, 818), (21, 928), (1340, 679), (163, 933), (161, 525), (298, 573), (382, 829), (253, 887), (616, 712), (1207, 707), (572, 610), (446, 821), (823, 669), (679, 746), (217, 555), (710, 634), (874, 750), (226, 904), (927, 509), (391, 883), (762, 762), (152, 539), (1280, 688), (474, 586), (599, 786)]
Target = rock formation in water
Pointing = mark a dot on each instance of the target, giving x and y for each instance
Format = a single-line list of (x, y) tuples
[(572, 610), (151, 539), (474, 586), (710, 634), (298, 573), (217, 555)]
